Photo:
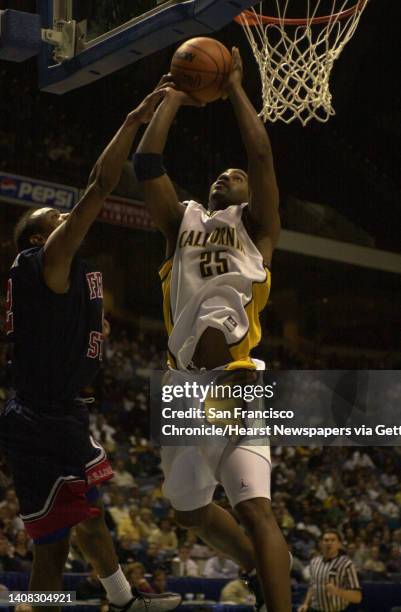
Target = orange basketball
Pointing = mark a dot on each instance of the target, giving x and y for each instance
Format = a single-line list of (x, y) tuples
[(200, 67)]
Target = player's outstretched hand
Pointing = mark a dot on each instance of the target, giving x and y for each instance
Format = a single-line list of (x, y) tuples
[(234, 79), (145, 110)]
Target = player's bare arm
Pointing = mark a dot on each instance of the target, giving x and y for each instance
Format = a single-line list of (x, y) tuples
[(65, 240), (159, 192), (263, 191)]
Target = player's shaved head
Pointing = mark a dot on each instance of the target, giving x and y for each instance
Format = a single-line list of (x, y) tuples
[(36, 222), (28, 225)]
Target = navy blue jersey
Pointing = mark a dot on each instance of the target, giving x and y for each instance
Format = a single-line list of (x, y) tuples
[(57, 337)]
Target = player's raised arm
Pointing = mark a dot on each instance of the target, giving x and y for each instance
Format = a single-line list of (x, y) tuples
[(159, 193), (65, 240), (264, 196)]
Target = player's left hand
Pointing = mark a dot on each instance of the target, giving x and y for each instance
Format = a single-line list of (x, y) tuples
[(144, 112), (234, 79), (331, 589)]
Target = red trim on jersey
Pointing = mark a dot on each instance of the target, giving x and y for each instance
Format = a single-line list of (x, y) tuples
[(70, 506)]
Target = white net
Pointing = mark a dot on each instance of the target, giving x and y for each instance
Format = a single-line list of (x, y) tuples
[(295, 60)]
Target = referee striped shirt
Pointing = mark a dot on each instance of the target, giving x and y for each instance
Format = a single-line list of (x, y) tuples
[(340, 571)]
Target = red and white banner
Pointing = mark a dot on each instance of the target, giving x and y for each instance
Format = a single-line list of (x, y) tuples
[(128, 213)]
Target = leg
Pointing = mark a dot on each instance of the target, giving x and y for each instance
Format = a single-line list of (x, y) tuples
[(47, 568), (95, 541), (190, 484), (271, 552), (245, 475), (219, 529)]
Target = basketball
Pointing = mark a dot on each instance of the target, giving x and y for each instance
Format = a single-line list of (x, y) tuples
[(200, 67)]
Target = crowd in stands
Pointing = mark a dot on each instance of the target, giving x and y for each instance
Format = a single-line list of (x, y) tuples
[(355, 490)]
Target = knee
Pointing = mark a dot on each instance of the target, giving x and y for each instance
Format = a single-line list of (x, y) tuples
[(92, 525), (191, 519), (52, 556), (253, 513)]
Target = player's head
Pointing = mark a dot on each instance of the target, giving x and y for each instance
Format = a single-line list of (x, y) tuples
[(35, 226), (230, 187)]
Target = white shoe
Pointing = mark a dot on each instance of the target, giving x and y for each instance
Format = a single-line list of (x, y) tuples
[(149, 602)]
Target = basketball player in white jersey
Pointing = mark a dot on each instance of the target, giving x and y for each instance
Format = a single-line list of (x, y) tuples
[(215, 281)]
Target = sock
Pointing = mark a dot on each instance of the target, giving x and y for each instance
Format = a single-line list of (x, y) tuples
[(118, 588)]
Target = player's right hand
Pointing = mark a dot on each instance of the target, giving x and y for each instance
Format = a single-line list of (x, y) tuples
[(303, 608), (144, 112)]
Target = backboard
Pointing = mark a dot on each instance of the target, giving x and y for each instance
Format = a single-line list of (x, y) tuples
[(82, 41)]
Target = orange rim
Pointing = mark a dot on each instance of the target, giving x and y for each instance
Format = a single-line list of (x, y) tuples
[(253, 19)]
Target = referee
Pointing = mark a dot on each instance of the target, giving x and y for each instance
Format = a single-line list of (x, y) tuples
[(334, 582)]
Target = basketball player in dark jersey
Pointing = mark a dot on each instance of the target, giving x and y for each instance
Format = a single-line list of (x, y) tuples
[(263, 547), (54, 318)]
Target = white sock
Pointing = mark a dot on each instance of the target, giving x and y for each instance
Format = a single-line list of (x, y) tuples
[(117, 587)]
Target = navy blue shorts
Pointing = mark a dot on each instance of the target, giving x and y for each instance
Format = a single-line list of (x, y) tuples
[(55, 464)]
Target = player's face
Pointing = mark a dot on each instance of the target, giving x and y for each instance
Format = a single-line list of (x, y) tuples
[(50, 219), (230, 187)]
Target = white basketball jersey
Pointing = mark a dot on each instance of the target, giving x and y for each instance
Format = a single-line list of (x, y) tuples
[(216, 278)]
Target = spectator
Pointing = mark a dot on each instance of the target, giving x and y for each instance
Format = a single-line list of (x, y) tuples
[(129, 526), (21, 550), (198, 549), (145, 522), (90, 587), (284, 518), (183, 565), (152, 558), (157, 492), (165, 537), (122, 478), (374, 565), (236, 592), (303, 543), (11, 520), (159, 582), (135, 573), (352, 553), (9, 496), (394, 564), (388, 509), (126, 550), (7, 561), (118, 509), (220, 566)]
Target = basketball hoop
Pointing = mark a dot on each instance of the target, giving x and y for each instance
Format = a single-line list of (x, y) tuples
[(295, 55)]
